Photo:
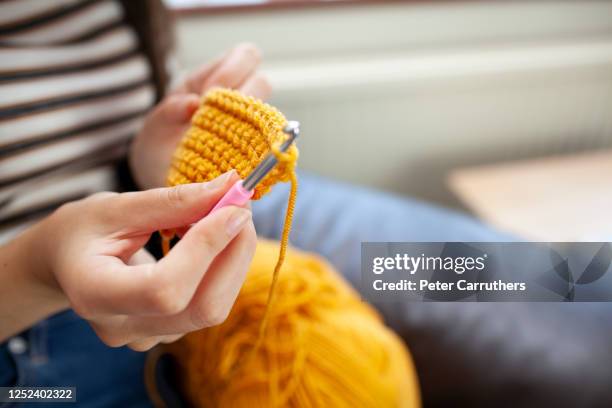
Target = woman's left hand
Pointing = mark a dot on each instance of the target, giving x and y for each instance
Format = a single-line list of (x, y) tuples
[(151, 151)]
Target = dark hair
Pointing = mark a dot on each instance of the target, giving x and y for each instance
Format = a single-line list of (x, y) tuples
[(154, 25)]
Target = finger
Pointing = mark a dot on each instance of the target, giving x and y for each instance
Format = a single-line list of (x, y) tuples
[(114, 333), (181, 231), (142, 256), (178, 108), (202, 244), (165, 208), (215, 295), (167, 287), (148, 343), (257, 85), (171, 339), (219, 289), (194, 82), (145, 344), (241, 62)]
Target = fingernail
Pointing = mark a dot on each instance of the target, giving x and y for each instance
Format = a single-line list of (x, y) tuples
[(191, 107), (219, 181), (237, 221)]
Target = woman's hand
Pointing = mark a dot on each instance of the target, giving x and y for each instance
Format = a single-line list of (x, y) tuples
[(90, 253), (151, 152)]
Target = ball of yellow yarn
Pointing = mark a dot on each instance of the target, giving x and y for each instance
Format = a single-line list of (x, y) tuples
[(324, 347)]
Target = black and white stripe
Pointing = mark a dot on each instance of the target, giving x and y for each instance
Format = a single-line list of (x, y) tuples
[(74, 87), (77, 20)]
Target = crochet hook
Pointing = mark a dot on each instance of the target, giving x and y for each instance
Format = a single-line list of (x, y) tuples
[(242, 191)]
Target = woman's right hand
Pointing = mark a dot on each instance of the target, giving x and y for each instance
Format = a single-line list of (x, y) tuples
[(94, 257)]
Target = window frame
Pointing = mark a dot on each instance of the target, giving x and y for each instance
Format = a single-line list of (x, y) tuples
[(185, 11)]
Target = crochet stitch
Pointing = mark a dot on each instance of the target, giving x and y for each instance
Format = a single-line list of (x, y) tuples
[(232, 131)]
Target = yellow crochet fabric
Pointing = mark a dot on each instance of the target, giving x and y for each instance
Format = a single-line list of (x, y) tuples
[(232, 131)]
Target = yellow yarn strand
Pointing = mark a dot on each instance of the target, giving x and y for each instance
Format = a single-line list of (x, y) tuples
[(284, 243), (282, 252)]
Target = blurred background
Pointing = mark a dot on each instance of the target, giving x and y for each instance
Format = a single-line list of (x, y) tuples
[(502, 108)]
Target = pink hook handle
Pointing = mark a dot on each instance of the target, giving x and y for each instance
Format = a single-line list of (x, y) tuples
[(236, 195)]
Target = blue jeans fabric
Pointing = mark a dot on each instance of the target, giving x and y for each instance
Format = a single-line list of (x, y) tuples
[(331, 219), (64, 351)]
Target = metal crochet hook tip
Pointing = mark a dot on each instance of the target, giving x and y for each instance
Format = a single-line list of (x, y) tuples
[(292, 129)]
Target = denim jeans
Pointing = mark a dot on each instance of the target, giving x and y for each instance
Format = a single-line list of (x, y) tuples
[(331, 219)]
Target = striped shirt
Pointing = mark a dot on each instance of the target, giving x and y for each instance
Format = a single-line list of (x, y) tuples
[(74, 86)]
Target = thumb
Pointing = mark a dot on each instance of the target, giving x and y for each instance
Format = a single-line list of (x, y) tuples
[(179, 107), (170, 207)]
